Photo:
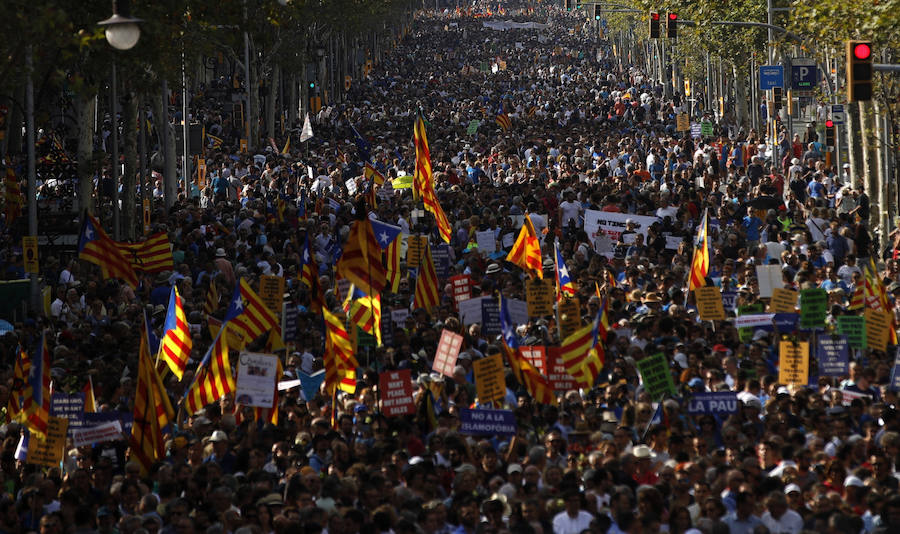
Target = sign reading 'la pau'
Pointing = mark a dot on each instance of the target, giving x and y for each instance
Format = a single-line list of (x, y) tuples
[(724, 403)]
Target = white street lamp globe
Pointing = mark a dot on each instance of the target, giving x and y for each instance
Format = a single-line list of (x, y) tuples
[(123, 36)]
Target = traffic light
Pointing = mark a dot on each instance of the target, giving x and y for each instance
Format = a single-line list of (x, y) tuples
[(597, 12), (829, 133), (312, 85), (568, 5), (672, 26), (859, 71), (777, 93), (654, 25)]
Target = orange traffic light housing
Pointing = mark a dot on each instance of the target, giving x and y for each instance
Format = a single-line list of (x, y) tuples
[(859, 71)]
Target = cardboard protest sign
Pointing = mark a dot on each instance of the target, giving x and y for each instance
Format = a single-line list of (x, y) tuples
[(396, 391), (256, 379), (853, 327), (539, 295), (769, 278), (560, 379), (487, 242), (793, 362), (709, 303), (536, 355), (415, 247), (446, 353), (813, 308), (783, 300), (613, 224), (833, 355), (48, 452), (569, 316), (69, 407), (487, 422), (489, 384), (717, 403), (878, 325), (111, 431), (271, 291)]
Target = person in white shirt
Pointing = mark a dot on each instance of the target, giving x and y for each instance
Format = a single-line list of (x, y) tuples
[(779, 519), (572, 520), (569, 209)]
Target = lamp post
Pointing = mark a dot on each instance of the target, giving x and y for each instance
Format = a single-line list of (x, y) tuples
[(122, 33), (320, 64)]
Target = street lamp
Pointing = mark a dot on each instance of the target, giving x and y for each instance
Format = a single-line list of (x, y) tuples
[(122, 33)]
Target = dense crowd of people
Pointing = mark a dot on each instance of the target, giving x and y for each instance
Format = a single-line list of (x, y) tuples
[(588, 132)]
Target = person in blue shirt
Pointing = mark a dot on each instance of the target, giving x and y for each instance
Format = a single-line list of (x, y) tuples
[(815, 188), (752, 226)]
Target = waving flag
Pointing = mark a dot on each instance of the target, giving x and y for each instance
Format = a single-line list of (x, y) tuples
[(90, 401), (361, 260), (564, 285), (526, 251), (371, 173), (340, 364), (700, 263), (214, 378), (214, 142), (247, 315), (36, 396), (363, 148), (535, 383), (211, 304), (385, 233), (427, 294), (307, 132), (365, 311), (175, 347), (394, 272), (309, 275), (13, 196), (503, 119), (152, 410), (582, 353), (423, 182), (17, 391), (95, 246)]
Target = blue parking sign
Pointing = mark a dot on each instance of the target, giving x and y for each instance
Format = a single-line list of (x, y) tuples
[(771, 76)]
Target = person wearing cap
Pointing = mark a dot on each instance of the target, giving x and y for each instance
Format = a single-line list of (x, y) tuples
[(221, 454)]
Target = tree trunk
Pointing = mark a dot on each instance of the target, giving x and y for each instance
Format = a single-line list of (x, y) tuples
[(274, 83), (129, 118), (292, 110), (254, 103), (740, 98), (167, 146), (870, 164), (852, 143), (86, 107), (13, 143)]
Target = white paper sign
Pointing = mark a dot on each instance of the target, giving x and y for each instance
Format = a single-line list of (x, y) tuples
[(111, 431), (758, 320), (487, 243), (351, 186), (518, 311), (399, 316), (673, 242), (613, 224), (769, 277), (508, 240), (256, 379), (470, 310)]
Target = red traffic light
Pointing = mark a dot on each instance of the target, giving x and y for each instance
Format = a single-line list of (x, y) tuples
[(862, 51), (829, 123), (673, 16), (654, 16)]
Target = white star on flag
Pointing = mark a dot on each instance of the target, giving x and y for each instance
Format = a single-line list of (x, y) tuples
[(383, 237)]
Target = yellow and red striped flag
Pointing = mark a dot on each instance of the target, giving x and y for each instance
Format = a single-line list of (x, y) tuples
[(581, 355), (211, 305), (394, 273), (90, 401), (175, 346), (340, 364), (700, 263), (858, 299), (35, 413), (214, 378), (96, 247), (361, 260), (17, 391), (526, 251), (151, 256), (427, 294), (247, 316), (13, 197), (423, 182), (152, 411), (371, 173), (365, 311), (537, 385)]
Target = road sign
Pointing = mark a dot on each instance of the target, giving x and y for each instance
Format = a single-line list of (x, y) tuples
[(837, 114), (771, 76), (804, 74)]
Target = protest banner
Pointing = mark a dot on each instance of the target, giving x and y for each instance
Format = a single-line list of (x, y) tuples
[(656, 377), (613, 224), (125, 419), (569, 310), (396, 392), (487, 422), (717, 403), (783, 300), (709, 303), (729, 301), (462, 288), (848, 395), (769, 278), (446, 353), (813, 308), (793, 362), (490, 317), (69, 407), (536, 355), (48, 452), (539, 295), (111, 431), (256, 379), (853, 327), (290, 319), (878, 324), (489, 384), (440, 255), (398, 317), (786, 323), (832, 355), (271, 291), (560, 379)]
